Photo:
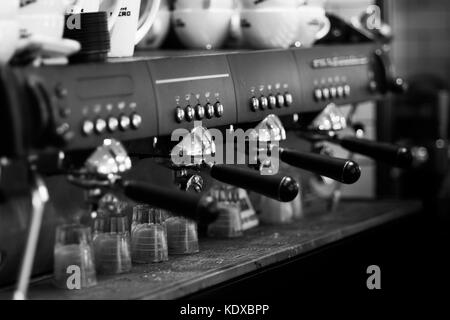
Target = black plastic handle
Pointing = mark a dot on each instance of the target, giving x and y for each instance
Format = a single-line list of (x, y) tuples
[(281, 188), (384, 152), (180, 203), (342, 170)]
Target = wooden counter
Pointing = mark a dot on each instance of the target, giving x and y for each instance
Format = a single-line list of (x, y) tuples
[(223, 260)]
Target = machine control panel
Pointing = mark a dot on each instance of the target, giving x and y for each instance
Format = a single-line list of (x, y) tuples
[(99, 101), (266, 83), (192, 89), (148, 97), (336, 74)]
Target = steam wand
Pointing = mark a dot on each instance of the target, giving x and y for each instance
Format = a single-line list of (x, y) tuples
[(39, 198)]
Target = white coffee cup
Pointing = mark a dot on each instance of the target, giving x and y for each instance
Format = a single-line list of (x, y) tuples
[(204, 4), (314, 25), (44, 6), (270, 28), (9, 9), (130, 27), (9, 38), (271, 4), (202, 29), (48, 25), (160, 29), (284, 27), (42, 18)]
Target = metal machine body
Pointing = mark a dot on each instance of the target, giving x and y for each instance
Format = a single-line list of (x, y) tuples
[(73, 108)]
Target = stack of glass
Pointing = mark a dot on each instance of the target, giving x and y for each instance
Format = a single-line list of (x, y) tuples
[(74, 266), (182, 236), (148, 235), (229, 222), (112, 238)]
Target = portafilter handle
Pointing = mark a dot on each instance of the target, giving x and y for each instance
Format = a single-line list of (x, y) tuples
[(185, 204), (343, 170), (384, 152), (278, 187)]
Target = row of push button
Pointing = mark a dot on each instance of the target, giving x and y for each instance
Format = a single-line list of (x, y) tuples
[(271, 102), (332, 93), (200, 112), (112, 124)]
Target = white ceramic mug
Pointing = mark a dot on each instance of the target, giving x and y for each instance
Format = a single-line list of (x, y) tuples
[(202, 29), (204, 4), (9, 30), (314, 25), (9, 9), (283, 27), (270, 28), (271, 4), (131, 27), (42, 18), (44, 6), (160, 29)]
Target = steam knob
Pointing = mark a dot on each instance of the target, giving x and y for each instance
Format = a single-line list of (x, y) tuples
[(280, 100), (179, 115), (136, 121), (189, 113), (272, 101), (88, 127), (218, 109), (113, 124), (124, 123), (209, 111), (200, 112), (289, 99), (264, 102), (100, 126), (254, 104)]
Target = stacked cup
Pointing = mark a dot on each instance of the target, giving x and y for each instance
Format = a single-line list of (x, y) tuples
[(202, 24), (93, 36), (182, 236), (229, 222), (9, 30), (112, 242), (273, 24)]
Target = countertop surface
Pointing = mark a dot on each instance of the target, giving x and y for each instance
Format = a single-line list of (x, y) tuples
[(226, 259)]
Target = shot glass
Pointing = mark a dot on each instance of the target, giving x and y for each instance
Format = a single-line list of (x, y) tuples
[(74, 266), (229, 222), (149, 235), (182, 236), (113, 250)]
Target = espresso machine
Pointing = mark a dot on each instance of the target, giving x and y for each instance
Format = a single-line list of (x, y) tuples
[(85, 126)]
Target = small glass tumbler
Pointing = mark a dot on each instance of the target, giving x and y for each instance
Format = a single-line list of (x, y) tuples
[(229, 222), (74, 266), (113, 252), (148, 235), (182, 236)]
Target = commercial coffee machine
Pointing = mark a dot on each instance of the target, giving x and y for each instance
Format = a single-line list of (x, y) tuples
[(55, 119)]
